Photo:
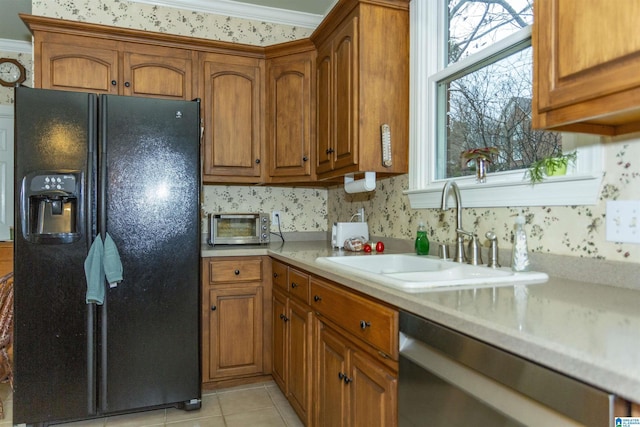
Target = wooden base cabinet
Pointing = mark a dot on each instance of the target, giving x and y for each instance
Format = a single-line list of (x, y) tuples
[(335, 352), (292, 352), (292, 334), (234, 309), (352, 388), (6, 258)]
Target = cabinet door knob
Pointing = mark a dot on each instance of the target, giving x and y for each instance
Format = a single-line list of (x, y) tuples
[(341, 375), (275, 275), (294, 285), (237, 272), (113, 82), (317, 298), (281, 316), (347, 380), (364, 324), (213, 308), (127, 84), (305, 158), (285, 318), (257, 161)]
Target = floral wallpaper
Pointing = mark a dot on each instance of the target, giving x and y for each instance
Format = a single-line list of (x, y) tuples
[(127, 14), (301, 209), (571, 230)]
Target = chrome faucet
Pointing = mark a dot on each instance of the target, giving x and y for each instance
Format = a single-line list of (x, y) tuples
[(448, 186)]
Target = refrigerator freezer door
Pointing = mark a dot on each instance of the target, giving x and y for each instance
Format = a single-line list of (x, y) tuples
[(53, 348), (150, 206)]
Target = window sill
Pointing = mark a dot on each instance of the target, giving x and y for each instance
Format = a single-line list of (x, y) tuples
[(500, 191)]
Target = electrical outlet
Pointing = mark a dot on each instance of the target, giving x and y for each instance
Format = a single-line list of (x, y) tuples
[(623, 221), (276, 216)]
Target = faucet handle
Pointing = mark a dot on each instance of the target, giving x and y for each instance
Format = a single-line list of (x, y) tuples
[(493, 249), (475, 256)]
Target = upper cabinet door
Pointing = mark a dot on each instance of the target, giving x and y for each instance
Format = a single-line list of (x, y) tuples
[(586, 66), (157, 72), (362, 83), (324, 129), (346, 69), (79, 64), (232, 111), (289, 115)]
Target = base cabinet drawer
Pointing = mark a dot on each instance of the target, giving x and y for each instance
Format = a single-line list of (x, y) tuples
[(374, 323), (235, 269)]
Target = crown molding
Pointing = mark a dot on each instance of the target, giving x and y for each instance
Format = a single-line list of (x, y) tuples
[(243, 10), (17, 46)]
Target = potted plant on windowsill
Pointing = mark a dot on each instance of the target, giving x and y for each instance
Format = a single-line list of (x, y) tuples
[(550, 166)]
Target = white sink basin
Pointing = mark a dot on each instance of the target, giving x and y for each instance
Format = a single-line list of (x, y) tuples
[(413, 273)]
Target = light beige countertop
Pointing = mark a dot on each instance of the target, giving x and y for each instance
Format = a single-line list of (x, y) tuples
[(587, 331)]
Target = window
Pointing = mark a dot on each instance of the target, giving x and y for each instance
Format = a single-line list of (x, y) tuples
[(471, 71)]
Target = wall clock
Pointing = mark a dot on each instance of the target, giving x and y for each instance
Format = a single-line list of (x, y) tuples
[(12, 73)]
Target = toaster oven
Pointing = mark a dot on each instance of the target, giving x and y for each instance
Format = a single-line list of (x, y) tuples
[(238, 229)]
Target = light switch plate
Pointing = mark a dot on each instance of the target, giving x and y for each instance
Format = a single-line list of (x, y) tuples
[(623, 221)]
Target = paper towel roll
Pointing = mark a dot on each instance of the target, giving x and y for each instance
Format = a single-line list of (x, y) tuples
[(361, 185)]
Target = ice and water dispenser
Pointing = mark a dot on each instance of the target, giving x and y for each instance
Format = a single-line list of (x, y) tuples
[(51, 207)]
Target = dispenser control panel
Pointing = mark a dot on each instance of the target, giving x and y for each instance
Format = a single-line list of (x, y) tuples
[(62, 182)]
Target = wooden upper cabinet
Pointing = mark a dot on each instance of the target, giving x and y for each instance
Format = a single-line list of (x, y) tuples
[(324, 110), (345, 62), (76, 63), (362, 82), (586, 66), (157, 72), (232, 103), (91, 64), (289, 116)]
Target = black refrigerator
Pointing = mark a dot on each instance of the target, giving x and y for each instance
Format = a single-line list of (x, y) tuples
[(93, 167)]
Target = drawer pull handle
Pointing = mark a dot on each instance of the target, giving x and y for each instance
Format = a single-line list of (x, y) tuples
[(294, 285), (317, 298), (364, 324), (213, 308), (237, 272)]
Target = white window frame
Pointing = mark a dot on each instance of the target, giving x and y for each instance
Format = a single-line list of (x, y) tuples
[(581, 186)]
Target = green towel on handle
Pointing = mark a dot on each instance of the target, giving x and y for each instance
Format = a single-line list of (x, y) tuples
[(111, 263), (94, 272), (103, 260)]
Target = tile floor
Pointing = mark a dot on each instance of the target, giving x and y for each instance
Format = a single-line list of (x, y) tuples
[(254, 405)]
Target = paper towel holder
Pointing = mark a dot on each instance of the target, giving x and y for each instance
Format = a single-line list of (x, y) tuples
[(368, 183)]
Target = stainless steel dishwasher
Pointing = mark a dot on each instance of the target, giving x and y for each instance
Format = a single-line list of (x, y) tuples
[(450, 379)]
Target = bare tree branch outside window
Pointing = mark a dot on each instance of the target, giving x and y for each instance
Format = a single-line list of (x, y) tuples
[(491, 106)]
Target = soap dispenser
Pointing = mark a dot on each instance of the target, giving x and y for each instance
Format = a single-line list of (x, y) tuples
[(520, 254), (422, 241)]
